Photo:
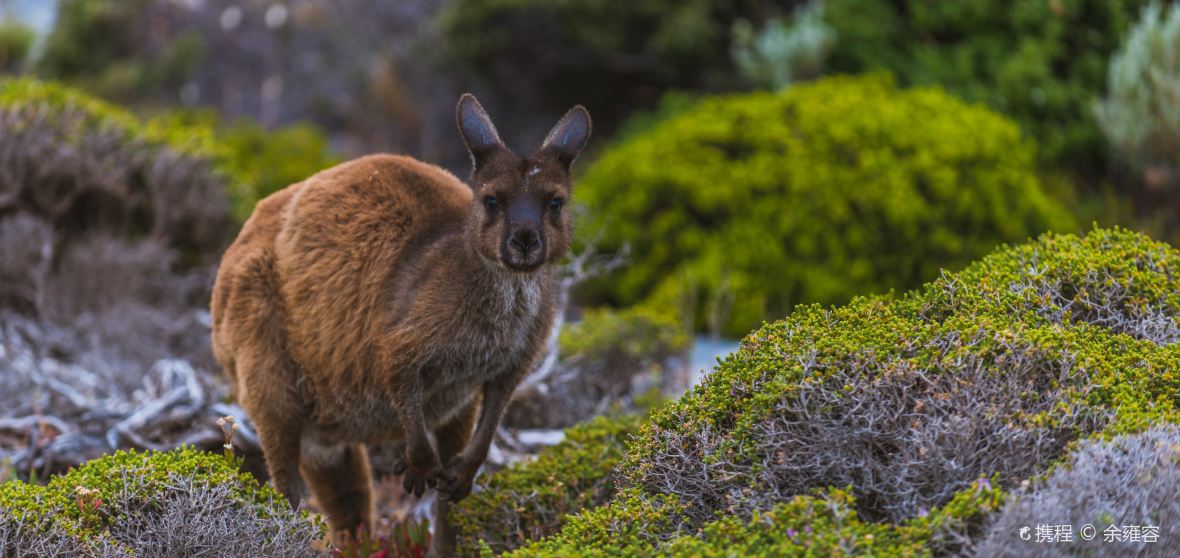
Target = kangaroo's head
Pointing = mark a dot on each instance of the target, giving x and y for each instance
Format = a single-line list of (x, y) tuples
[(520, 217)]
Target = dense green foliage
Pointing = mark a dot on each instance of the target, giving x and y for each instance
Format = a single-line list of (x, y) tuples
[(78, 163), (1042, 63), (531, 500), (101, 45), (978, 381), (749, 204), (53, 101), (263, 161), (89, 35), (610, 56), (251, 162), (15, 40), (637, 333), (823, 524), (58, 498), (106, 506), (268, 161)]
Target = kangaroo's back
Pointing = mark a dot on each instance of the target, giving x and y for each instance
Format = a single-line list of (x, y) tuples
[(348, 235), (317, 258)]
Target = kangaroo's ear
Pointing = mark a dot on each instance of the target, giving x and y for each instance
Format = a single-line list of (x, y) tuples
[(567, 138), (479, 134)]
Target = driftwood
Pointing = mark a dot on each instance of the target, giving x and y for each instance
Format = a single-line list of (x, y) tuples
[(58, 414)]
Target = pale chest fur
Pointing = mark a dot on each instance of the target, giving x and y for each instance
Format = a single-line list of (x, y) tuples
[(496, 334)]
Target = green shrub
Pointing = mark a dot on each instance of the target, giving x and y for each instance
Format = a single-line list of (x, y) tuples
[(263, 161), (1140, 116), (531, 500), (173, 503), (268, 161), (1041, 63), (635, 334), (15, 40), (89, 35), (610, 56), (57, 102), (990, 373), (243, 160), (107, 47), (823, 524), (629, 525), (83, 165), (750, 204)]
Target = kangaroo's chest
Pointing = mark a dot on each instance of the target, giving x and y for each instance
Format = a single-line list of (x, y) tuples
[(497, 338), (493, 338), (487, 341)]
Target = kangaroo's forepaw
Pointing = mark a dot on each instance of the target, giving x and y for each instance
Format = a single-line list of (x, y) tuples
[(456, 479), (419, 471)]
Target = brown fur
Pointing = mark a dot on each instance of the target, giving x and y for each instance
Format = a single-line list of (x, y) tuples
[(383, 299)]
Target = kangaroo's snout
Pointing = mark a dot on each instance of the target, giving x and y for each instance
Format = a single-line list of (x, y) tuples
[(524, 250), (525, 240)]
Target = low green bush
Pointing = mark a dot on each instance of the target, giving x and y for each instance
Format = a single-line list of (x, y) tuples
[(173, 503), (262, 161), (638, 333), (742, 206), (531, 500), (117, 50), (822, 524), (941, 400), (1040, 63), (244, 160), (267, 161), (15, 41), (84, 165)]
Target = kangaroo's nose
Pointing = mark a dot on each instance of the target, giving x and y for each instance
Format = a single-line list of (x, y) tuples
[(525, 240)]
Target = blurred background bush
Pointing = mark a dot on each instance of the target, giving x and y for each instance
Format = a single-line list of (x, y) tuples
[(1042, 63), (749, 204)]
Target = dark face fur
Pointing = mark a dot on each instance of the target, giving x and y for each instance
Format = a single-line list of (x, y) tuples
[(520, 215)]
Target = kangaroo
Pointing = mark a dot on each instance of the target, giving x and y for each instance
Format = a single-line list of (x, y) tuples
[(384, 300)]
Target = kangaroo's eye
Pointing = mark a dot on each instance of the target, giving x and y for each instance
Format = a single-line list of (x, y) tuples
[(490, 203), (556, 203)]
